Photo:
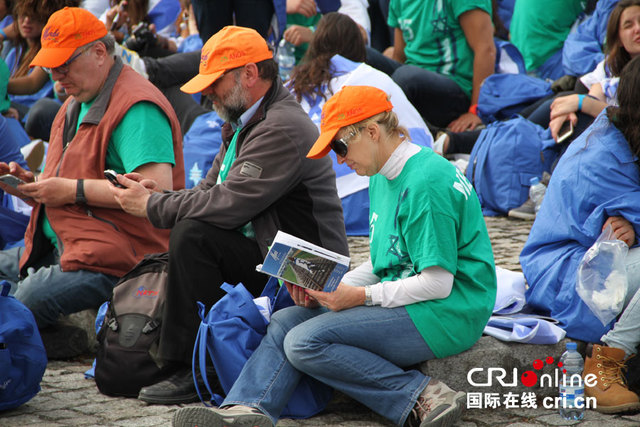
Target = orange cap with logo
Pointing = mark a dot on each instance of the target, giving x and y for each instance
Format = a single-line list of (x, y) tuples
[(229, 48), (350, 105), (66, 30)]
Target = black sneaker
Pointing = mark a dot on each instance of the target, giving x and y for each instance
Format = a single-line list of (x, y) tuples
[(229, 416), (179, 388)]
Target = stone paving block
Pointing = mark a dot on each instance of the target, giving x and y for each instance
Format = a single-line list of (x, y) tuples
[(490, 353)]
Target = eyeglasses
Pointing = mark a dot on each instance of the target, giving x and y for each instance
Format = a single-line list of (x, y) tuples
[(340, 146), (64, 68)]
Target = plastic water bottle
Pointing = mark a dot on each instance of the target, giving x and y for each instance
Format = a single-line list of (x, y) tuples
[(536, 192), (286, 59), (572, 402)]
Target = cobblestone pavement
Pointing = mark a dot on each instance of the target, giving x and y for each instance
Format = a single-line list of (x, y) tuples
[(67, 399)]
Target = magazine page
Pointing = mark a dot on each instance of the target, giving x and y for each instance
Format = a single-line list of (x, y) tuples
[(297, 261)]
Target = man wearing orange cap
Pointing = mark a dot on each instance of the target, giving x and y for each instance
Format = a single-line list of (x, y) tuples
[(259, 183), (79, 242)]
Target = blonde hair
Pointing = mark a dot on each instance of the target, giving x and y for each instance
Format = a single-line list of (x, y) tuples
[(388, 119)]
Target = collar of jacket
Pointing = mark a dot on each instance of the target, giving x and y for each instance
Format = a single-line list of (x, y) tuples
[(227, 130), (97, 110)]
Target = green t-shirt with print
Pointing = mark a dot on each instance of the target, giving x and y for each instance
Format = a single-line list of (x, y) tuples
[(430, 216), (144, 121), (434, 38)]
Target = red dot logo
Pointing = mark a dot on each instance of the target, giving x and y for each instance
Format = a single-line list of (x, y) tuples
[(537, 364), (549, 360), (529, 378)]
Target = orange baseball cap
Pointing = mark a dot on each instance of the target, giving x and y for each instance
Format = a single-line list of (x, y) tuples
[(229, 48), (66, 30), (350, 105)]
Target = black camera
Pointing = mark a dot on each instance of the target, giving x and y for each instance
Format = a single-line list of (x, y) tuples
[(142, 38)]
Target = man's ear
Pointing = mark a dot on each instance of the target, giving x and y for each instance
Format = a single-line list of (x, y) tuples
[(251, 74), (101, 50)]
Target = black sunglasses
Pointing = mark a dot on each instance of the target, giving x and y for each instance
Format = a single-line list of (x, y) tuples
[(340, 147)]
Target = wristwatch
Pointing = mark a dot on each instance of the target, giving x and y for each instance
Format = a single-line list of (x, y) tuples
[(367, 296), (80, 197)]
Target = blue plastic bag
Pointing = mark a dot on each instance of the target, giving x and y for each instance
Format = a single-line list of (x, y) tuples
[(232, 330)]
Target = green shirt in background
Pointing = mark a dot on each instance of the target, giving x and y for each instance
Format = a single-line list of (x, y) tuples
[(430, 216), (4, 80), (434, 38), (540, 27), (144, 121), (310, 22)]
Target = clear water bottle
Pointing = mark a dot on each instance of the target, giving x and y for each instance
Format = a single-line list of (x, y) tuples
[(286, 59), (536, 192), (572, 401)]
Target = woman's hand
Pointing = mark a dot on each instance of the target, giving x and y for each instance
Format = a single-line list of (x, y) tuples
[(307, 8), (345, 296), (556, 124), (622, 229), (297, 35), (300, 297), (467, 121), (564, 105)]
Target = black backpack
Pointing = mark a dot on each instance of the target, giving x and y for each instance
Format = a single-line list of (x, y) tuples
[(129, 337)]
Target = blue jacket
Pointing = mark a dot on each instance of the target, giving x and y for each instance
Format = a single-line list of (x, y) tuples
[(596, 178)]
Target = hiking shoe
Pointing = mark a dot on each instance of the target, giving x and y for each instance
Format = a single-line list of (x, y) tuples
[(179, 388), (229, 416), (526, 211), (437, 406)]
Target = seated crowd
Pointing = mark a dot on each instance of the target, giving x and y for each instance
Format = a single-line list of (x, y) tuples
[(345, 146)]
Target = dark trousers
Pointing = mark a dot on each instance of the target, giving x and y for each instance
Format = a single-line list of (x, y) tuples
[(201, 258), (438, 99), (212, 16)]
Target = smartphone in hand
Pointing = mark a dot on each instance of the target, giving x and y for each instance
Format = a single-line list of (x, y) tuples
[(110, 175), (11, 180), (566, 130)]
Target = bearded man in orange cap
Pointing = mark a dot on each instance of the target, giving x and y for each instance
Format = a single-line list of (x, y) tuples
[(79, 241), (260, 182)]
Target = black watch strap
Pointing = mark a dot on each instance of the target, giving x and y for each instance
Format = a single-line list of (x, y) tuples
[(80, 197)]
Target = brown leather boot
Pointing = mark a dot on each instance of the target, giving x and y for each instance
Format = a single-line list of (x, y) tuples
[(611, 392)]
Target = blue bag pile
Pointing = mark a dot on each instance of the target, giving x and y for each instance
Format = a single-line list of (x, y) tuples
[(23, 358), (503, 95), (232, 330), (503, 160)]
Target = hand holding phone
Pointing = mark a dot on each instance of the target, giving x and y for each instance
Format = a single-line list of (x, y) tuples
[(566, 130), (110, 175), (11, 180)]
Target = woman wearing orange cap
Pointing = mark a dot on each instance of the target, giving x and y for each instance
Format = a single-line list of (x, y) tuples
[(426, 292)]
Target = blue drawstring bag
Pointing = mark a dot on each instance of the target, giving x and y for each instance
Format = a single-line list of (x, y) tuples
[(504, 159), (503, 95), (23, 358), (231, 332)]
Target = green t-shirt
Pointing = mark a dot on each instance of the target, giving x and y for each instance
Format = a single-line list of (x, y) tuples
[(434, 38), (4, 80), (144, 121), (430, 216), (538, 35)]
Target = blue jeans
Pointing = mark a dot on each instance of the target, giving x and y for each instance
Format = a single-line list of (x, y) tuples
[(625, 333), (438, 99), (360, 351), (50, 292)]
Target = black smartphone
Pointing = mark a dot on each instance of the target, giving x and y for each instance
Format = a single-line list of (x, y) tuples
[(111, 177)]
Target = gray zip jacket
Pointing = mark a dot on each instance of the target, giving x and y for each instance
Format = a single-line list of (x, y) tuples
[(271, 183)]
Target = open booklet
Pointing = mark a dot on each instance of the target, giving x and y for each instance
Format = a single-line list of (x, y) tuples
[(297, 261)]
